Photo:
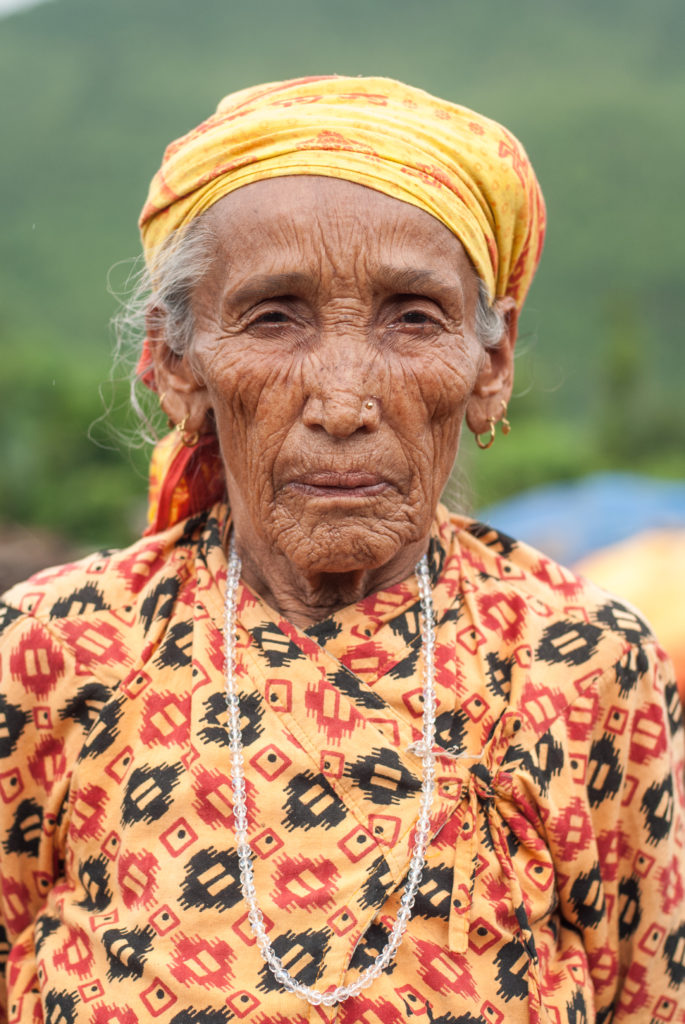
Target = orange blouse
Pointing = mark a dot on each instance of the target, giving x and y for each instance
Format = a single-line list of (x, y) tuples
[(554, 882)]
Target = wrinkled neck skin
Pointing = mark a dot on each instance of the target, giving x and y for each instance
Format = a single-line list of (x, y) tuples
[(306, 599)]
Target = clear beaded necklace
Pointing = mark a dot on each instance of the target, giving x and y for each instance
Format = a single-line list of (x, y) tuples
[(424, 749)]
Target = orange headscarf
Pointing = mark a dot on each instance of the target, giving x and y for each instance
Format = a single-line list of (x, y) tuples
[(466, 170)]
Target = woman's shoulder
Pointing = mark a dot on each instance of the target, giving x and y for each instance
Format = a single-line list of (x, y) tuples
[(86, 625), (561, 608), (573, 646), (113, 581), (495, 555)]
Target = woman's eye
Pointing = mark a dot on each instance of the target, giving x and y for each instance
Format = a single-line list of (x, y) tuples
[(416, 317), (273, 316)]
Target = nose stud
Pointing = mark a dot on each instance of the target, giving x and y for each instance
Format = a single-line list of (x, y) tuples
[(369, 414)]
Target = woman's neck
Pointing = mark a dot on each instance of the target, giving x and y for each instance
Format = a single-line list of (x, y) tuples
[(304, 598)]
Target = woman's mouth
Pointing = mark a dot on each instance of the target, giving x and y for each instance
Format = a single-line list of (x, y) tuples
[(345, 485)]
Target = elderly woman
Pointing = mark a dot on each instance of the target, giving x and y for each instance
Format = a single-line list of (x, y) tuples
[(315, 748)]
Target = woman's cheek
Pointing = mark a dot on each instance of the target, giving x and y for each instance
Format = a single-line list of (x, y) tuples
[(262, 414), (234, 378), (427, 404), (446, 396)]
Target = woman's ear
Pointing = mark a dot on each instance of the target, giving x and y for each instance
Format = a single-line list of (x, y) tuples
[(185, 395), (495, 380)]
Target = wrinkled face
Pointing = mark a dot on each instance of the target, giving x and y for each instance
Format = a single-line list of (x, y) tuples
[(335, 344)]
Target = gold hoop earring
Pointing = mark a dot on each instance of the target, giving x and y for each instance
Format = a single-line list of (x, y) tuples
[(486, 444), (189, 440), (504, 422)]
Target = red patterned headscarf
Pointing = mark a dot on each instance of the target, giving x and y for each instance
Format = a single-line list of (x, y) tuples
[(464, 169)]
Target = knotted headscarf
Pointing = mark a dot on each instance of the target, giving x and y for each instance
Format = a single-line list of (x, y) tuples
[(464, 169)]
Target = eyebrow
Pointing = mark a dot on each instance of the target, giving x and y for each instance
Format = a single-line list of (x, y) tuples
[(269, 284), (410, 280), (402, 280)]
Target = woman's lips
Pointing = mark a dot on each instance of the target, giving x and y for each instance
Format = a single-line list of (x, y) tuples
[(351, 484)]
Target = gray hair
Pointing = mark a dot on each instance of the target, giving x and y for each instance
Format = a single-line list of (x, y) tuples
[(164, 290), (489, 320), (158, 293)]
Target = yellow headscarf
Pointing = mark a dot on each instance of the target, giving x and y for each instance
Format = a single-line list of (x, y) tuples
[(466, 170), (462, 168)]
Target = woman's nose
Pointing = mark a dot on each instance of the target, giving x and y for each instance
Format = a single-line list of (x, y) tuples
[(342, 412)]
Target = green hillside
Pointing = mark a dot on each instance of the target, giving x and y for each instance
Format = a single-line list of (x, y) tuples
[(94, 91)]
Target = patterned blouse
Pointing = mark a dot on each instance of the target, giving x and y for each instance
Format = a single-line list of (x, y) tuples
[(554, 882)]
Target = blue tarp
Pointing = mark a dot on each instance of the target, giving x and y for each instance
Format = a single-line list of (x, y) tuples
[(569, 520)]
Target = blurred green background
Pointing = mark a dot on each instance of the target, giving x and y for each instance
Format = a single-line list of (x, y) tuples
[(92, 92)]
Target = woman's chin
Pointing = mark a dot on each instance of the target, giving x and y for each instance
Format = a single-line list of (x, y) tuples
[(342, 548)]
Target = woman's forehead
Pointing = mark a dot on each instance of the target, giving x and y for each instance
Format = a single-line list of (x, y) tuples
[(295, 220)]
